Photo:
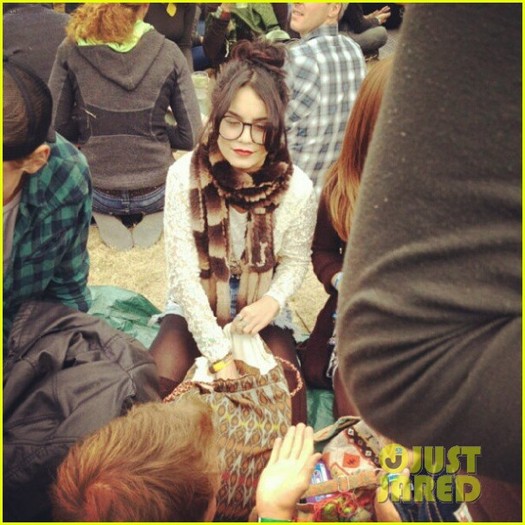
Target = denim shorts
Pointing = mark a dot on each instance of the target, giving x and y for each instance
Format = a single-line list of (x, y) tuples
[(283, 319), (126, 204)]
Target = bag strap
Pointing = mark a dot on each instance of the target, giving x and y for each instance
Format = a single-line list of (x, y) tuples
[(330, 431), (343, 483), (182, 388), (187, 385), (293, 368)]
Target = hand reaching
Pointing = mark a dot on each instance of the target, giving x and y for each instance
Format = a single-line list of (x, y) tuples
[(256, 316), (287, 474)]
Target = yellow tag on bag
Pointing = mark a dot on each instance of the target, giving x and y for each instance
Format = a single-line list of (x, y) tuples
[(171, 9)]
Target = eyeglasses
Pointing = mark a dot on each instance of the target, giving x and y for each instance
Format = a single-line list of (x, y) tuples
[(231, 129)]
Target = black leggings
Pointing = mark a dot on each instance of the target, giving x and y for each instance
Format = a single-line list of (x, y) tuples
[(175, 351)]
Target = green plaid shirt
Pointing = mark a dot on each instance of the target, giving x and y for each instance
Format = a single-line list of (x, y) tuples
[(49, 259)]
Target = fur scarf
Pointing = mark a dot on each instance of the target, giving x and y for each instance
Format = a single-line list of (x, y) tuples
[(214, 186)]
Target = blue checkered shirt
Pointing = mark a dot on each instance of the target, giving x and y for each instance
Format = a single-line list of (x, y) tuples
[(49, 259), (324, 73)]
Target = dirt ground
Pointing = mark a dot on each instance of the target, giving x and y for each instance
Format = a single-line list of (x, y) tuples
[(144, 271)]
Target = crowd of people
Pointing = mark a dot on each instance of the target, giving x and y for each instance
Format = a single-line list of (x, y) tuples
[(408, 206)]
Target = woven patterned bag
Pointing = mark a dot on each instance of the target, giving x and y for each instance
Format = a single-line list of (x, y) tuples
[(251, 412)]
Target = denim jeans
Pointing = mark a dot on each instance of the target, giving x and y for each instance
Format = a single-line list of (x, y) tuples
[(126, 204), (234, 292), (433, 510), (200, 60)]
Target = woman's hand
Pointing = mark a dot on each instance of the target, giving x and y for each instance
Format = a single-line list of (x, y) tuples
[(258, 315), (228, 372), (287, 474)]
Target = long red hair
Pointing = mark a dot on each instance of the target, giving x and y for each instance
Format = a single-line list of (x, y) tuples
[(343, 177)]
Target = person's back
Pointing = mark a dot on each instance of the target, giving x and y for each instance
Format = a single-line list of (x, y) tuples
[(32, 34), (113, 81), (121, 127), (431, 300), (175, 22), (325, 71)]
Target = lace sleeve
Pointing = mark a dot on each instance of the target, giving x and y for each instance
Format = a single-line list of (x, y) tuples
[(295, 222), (184, 285)]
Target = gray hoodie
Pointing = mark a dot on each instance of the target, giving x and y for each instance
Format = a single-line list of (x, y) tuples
[(114, 105)]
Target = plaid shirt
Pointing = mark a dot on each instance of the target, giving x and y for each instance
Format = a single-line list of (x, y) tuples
[(324, 73), (49, 260)]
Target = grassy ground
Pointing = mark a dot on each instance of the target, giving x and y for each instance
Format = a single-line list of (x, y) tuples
[(144, 271)]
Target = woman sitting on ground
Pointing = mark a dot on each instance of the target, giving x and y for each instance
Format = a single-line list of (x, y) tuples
[(334, 220), (113, 82), (239, 221)]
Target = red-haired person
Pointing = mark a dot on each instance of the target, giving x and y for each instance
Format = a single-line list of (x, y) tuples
[(160, 463), (334, 220)]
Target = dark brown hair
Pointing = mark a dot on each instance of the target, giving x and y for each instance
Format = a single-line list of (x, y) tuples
[(257, 64), (157, 463), (27, 111)]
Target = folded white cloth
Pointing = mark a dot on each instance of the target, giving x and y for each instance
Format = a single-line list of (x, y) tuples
[(248, 348)]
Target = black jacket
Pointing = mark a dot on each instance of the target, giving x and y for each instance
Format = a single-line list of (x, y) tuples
[(67, 374)]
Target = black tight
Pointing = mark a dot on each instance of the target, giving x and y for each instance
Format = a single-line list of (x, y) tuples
[(175, 351)]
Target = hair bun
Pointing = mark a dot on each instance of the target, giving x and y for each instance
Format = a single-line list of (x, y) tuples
[(261, 53)]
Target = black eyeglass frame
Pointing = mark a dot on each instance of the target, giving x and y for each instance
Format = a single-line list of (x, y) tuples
[(244, 124)]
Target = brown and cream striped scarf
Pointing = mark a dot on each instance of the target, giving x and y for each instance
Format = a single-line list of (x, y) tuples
[(214, 185)]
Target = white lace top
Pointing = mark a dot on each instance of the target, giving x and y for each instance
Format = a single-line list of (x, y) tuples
[(294, 223), (238, 224)]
